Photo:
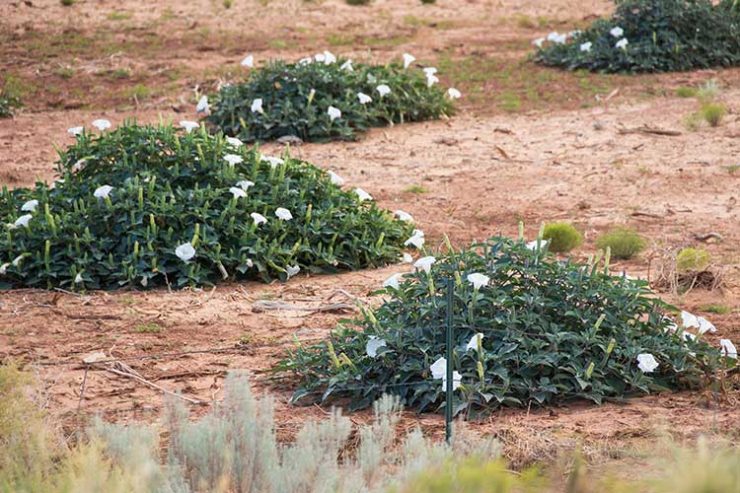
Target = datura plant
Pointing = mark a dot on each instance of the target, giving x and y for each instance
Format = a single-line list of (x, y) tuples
[(528, 330), (142, 206), (650, 36), (324, 98)]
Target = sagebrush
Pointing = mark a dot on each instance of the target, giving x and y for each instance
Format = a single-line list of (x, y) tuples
[(550, 331), (143, 206), (651, 36), (324, 99)]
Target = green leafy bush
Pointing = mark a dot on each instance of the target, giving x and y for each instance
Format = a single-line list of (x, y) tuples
[(551, 332), (325, 99), (562, 237), (8, 102), (144, 206), (651, 36), (692, 259), (624, 243)]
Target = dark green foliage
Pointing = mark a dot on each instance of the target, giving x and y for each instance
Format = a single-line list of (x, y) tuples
[(296, 97), (358, 2), (8, 102), (663, 35), (170, 189), (552, 331), (624, 243), (563, 237)]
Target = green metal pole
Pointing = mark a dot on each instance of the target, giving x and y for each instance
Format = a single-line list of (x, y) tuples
[(448, 391)]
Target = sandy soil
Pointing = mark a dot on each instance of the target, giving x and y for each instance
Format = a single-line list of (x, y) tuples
[(475, 175)]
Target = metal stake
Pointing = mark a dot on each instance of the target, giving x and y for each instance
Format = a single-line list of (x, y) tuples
[(448, 392)]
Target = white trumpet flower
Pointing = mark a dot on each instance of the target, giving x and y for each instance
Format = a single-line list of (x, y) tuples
[(373, 344), (257, 106), (647, 362), (101, 124), (408, 59), (425, 263), (188, 125), (185, 252), (258, 218), (283, 214), (478, 280)]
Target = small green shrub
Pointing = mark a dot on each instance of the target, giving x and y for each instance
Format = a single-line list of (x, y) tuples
[(319, 100), (67, 3), (713, 113), (551, 332), (428, 2), (624, 243), (143, 206), (9, 101), (563, 237), (716, 308), (651, 36), (686, 92), (692, 259), (358, 2)]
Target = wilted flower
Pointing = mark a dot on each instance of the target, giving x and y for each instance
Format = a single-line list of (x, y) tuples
[(404, 216), (429, 71), (79, 164), (74, 131), (22, 221), (233, 159), (258, 218), (292, 270), (274, 161), (406, 258), (185, 252), (538, 42), (347, 65), (364, 98), (4, 269), (305, 61), (245, 184), (647, 362), (257, 106), (234, 141), (333, 113), (336, 179), (363, 195), (202, 106), (478, 280), (103, 192), (453, 93), (622, 43), (392, 282), (248, 61), (383, 90), (101, 124), (17, 261), (586, 46), (475, 342), (30, 206), (417, 239), (689, 320), (372, 346), (237, 192), (617, 32), (283, 214), (431, 80), (188, 125), (728, 349), (408, 59), (425, 263)]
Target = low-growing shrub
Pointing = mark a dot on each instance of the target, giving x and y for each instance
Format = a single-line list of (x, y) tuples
[(692, 259), (651, 36), (143, 206), (324, 98), (713, 113), (8, 103), (562, 237), (528, 330), (624, 243), (358, 2)]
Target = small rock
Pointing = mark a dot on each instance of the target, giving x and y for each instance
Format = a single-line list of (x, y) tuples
[(94, 357)]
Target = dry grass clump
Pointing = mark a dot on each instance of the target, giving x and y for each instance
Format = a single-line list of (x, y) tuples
[(680, 271)]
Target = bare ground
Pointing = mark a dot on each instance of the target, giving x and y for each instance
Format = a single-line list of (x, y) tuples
[(563, 155)]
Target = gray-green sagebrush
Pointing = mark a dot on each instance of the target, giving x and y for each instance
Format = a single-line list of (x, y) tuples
[(296, 96), (171, 188), (552, 331)]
